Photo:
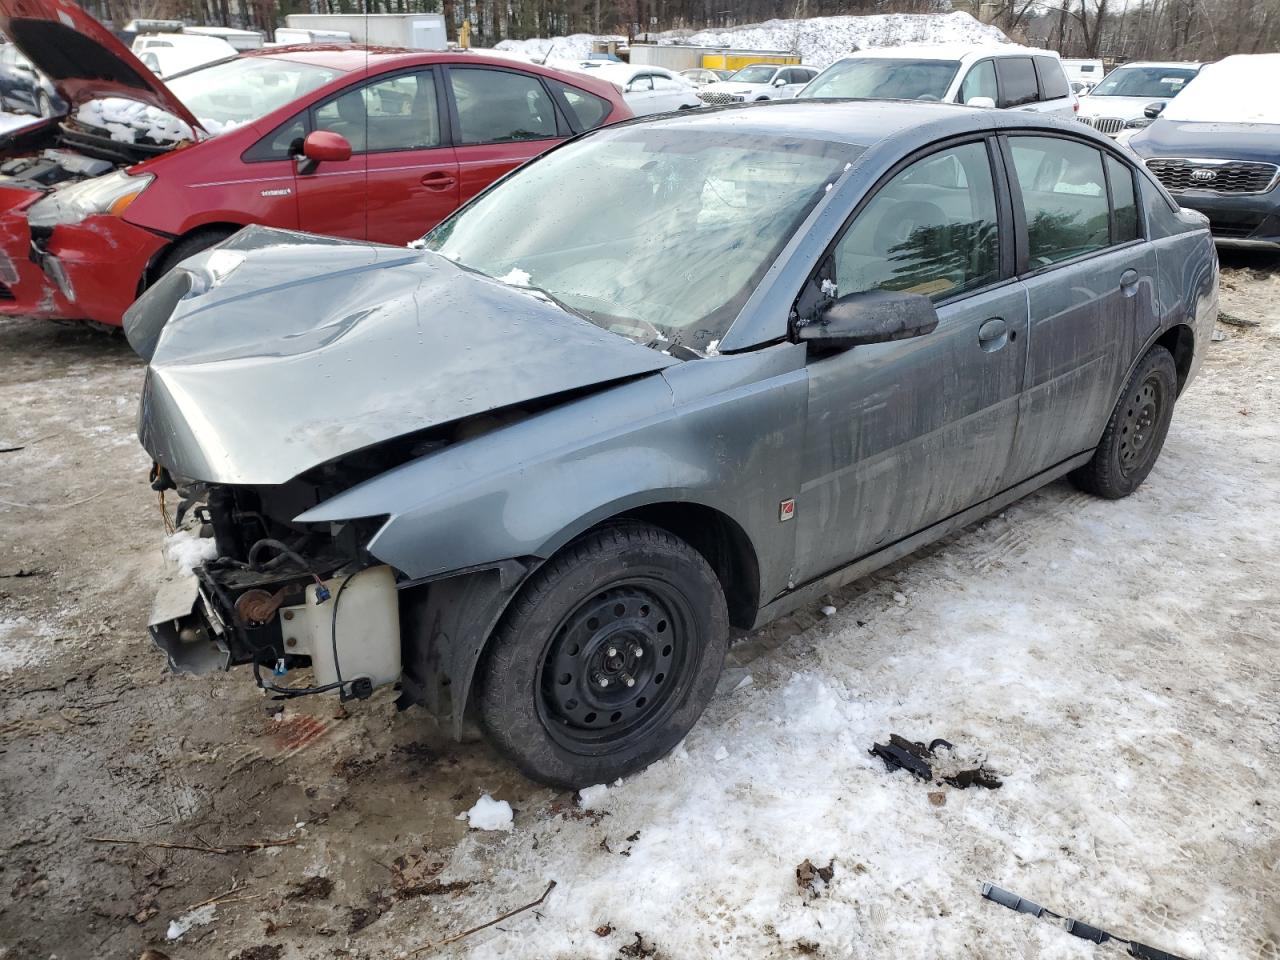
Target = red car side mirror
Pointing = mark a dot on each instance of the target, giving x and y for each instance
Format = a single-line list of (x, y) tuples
[(326, 145)]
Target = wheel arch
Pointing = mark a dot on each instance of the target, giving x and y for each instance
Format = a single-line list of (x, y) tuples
[(153, 271), (1180, 341)]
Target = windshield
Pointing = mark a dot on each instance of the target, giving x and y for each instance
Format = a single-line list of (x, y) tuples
[(242, 90), (1159, 83), (760, 73), (654, 233), (882, 79)]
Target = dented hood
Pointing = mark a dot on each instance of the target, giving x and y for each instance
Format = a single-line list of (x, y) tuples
[(278, 351), (82, 58)]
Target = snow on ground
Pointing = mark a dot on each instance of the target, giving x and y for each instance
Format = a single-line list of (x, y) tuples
[(1113, 661), (819, 40)]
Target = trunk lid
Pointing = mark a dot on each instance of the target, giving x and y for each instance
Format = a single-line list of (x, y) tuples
[(83, 58), (276, 352)]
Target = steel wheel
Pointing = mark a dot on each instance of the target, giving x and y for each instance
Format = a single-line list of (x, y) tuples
[(616, 665), (1138, 425)]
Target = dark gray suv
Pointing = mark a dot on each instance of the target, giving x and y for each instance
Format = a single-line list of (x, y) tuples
[(673, 379)]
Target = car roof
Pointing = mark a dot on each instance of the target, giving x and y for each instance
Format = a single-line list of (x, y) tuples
[(951, 51), (858, 123)]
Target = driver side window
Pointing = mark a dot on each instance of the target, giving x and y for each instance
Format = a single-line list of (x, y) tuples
[(932, 229)]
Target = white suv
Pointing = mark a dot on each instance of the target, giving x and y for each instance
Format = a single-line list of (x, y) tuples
[(1005, 76), (1119, 102), (760, 81)]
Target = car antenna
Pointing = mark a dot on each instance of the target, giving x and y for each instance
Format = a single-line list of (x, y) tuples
[(547, 56)]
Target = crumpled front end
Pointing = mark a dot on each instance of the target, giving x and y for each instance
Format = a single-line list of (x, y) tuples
[(85, 271), (248, 587)]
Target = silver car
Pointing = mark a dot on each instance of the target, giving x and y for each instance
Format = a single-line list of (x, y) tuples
[(667, 382)]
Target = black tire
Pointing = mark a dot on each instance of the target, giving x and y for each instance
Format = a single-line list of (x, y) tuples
[(626, 587), (189, 247), (1135, 433)]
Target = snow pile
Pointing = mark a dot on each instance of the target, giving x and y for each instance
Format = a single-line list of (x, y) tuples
[(820, 40), (489, 814), (129, 121), (186, 551), (590, 798)]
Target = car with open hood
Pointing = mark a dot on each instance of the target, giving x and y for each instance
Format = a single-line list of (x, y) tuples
[(1216, 148), (541, 467), (366, 143), (1120, 101)]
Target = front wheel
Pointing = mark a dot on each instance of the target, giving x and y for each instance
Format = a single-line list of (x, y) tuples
[(1135, 433), (607, 657)]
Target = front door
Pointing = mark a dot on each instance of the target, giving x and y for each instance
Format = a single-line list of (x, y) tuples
[(501, 119), (904, 434), (402, 178), (1090, 278)]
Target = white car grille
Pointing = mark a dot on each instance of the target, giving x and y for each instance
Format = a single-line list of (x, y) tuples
[(715, 98)]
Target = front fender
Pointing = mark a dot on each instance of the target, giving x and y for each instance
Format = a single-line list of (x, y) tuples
[(724, 433)]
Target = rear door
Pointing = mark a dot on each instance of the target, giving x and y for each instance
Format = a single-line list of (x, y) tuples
[(1090, 276), (402, 177), (904, 434), (1016, 78), (670, 94), (1055, 91), (500, 118)]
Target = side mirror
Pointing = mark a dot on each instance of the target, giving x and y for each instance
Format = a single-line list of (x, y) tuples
[(780, 82), (1153, 110), (321, 145), (986, 103), (877, 316)]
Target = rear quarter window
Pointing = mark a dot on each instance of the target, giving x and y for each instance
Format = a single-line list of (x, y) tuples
[(1053, 79), (586, 108)]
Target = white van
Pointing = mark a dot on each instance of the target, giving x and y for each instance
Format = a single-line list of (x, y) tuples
[(1086, 72), (1005, 76)]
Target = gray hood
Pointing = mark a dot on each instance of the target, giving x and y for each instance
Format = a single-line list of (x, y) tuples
[(277, 351)]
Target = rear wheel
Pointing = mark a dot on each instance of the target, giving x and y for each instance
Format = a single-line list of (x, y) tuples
[(1135, 433), (606, 659)]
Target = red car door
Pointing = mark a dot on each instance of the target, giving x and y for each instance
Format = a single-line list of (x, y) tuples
[(402, 178), (501, 118)]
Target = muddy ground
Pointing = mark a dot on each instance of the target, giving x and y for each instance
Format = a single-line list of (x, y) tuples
[(1141, 728)]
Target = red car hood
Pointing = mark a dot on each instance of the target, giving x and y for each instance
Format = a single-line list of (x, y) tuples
[(83, 58)]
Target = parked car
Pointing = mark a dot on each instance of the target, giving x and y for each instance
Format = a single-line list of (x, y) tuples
[(759, 81), (370, 144), (701, 76), (1005, 76), (1118, 102), (166, 54), (23, 89), (760, 353), (646, 89), (1216, 148)]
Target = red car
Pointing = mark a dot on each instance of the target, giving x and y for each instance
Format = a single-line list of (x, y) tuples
[(367, 143)]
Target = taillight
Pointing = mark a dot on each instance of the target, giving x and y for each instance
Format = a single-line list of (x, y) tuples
[(1075, 106)]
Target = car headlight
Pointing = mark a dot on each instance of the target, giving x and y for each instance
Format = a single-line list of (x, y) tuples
[(109, 194), (1138, 123)]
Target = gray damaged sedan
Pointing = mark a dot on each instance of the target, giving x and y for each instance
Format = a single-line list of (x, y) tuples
[(670, 381)]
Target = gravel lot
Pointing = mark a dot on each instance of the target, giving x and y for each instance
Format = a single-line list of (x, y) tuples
[(1114, 662)]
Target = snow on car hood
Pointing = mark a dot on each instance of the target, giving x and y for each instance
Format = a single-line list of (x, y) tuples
[(129, 121), (81, 57), (278, 351)]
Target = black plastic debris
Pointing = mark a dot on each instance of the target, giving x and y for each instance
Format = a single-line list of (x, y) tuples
[(914, 757), (1077, 928)]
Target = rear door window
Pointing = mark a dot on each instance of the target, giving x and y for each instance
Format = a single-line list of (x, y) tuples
[(1053, 80), (1017, 81), (1064, 197), (498, 106)]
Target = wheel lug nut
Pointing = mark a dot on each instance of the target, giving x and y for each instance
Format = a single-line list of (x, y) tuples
[(611, 652), (629, 681), (601, 680), (637, 652)]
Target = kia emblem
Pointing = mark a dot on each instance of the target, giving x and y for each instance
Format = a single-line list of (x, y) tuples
[(1204, 175)]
